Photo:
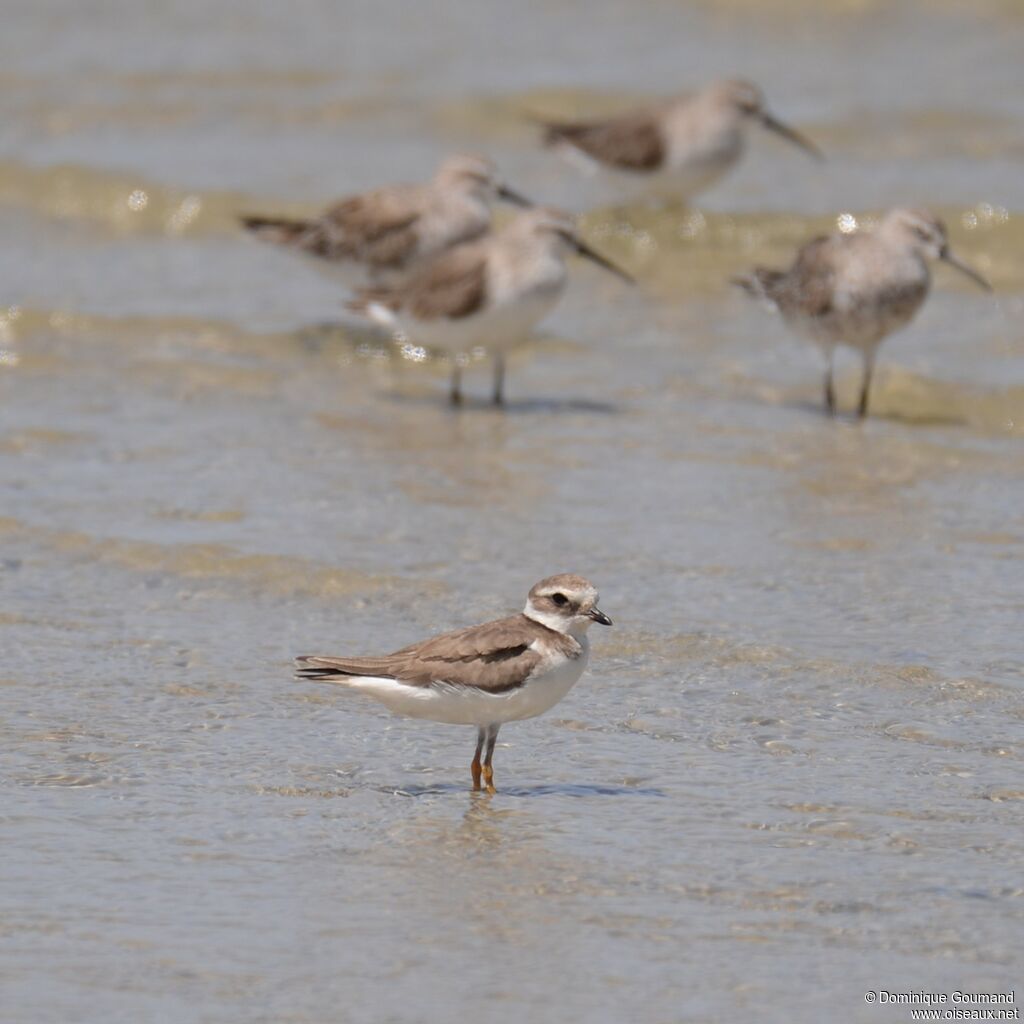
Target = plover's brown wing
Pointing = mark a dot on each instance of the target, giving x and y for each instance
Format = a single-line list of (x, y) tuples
[(496, 657), (632, 141), (450, 286)]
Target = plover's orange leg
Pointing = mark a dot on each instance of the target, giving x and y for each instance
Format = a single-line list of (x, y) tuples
[(488, 771), (475, 766)]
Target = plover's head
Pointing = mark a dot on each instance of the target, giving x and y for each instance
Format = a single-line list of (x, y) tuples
[(557, 229), (475, 175), (566, 603), (923, 233), (744, 100)]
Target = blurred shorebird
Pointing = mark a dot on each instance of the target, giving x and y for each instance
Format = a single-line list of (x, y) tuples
[(486, 294), (502, 671), (856, 289), (674, 148), (385, 232)]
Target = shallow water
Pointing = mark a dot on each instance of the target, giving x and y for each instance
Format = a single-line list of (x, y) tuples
[(793, 771)]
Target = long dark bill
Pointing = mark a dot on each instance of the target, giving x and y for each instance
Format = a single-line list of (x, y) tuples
[(947, 257), (791, 135), (511, 196), (595, 257)]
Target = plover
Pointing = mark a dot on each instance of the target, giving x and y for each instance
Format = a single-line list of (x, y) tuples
[(486, 294), (502, 671), (675, 148), (387, 231), (856, 288)]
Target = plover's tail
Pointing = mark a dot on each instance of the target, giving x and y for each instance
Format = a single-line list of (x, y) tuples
[(279, 230), (760, 283), (339, 670)]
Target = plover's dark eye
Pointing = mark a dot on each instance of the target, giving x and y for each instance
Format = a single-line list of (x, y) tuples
[(560, 599)]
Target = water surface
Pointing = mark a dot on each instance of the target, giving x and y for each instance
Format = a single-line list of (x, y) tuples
[(793, 772)]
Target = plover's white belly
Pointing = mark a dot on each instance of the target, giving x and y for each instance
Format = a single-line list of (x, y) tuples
[(466, 705)]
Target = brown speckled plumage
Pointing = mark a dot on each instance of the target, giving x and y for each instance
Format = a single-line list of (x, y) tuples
[(387, 231), (674, 147), (855, 289)]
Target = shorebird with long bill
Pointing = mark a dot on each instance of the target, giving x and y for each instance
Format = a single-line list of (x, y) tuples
[(857, 288), (676, 148), (502, 671), (383, 233), (487, 294)]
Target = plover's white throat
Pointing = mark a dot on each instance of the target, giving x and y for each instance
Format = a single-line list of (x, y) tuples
[(387, 231), (502, 671), (676, 148), (856, 289), (485, 294)]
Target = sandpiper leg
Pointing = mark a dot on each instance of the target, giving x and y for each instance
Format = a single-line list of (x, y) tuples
[(830, 391), (475, 766), (455, 395), (865, 388), (499, 380), (488, 771)]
